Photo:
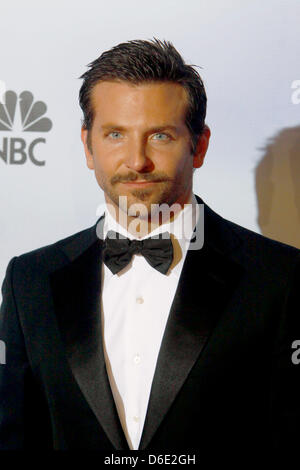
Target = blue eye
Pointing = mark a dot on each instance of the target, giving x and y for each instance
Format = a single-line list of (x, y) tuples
[(115, 134), (160, 136)]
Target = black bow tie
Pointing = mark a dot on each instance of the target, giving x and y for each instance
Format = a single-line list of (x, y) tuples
[(118, 251)]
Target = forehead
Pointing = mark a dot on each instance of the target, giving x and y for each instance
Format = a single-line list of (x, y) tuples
[(162, 101)]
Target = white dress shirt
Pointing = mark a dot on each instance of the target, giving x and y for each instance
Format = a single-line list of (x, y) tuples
[(135, 306)]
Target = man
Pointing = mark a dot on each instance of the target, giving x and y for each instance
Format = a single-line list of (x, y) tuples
[(128, 336)]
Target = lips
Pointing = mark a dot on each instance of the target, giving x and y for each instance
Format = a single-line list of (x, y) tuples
[(139, 183)]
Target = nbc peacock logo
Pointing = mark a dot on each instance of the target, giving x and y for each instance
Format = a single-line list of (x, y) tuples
[(20, 114)]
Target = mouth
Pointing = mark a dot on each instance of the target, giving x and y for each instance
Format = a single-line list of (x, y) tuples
[(139, 184)]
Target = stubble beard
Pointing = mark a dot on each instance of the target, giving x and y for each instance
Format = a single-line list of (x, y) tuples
[(142, 203)]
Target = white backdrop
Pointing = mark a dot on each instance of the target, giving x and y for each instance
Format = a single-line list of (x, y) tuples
[(249, 53)]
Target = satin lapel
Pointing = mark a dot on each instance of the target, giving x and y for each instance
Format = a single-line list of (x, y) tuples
[(76, 290), (205, 286)]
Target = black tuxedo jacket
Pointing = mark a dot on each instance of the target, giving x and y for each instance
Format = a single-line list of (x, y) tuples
[(224, 380)]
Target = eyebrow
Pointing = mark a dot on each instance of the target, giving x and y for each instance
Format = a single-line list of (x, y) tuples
[(152, 129)]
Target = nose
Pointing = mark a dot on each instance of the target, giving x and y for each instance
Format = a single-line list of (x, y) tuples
[(136, 158)]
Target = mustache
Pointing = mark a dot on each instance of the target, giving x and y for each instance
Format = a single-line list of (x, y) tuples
[(133, 177)]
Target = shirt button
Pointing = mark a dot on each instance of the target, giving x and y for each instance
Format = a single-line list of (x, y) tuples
[(137, 359), (139, 300), (136, 419)]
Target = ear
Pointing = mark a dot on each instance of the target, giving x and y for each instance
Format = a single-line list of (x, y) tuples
[(202, 146), (88, 154)]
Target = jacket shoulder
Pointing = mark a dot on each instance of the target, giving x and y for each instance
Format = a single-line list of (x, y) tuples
[(231, 236), (52, 256), (254, 239), (250, 248), (273, 260)]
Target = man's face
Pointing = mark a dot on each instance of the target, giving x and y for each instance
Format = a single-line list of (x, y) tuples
[(140, 144)]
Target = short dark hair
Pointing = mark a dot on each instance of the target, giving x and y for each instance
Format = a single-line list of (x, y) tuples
[(141, 61)]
